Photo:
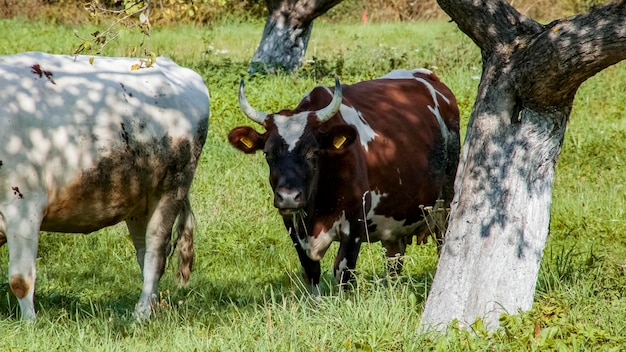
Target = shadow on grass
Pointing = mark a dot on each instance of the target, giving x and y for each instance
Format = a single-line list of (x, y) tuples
[(87, 294)]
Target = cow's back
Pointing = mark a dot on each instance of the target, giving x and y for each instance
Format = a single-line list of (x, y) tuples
[(411, 125), (91, 138)]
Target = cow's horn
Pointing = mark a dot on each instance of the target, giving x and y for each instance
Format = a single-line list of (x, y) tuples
[(254, 114), (326, 113)]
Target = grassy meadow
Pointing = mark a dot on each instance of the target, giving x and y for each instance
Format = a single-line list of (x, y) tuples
[(245, 293)]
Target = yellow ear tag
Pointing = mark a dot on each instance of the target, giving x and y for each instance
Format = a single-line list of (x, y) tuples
[(248, 143), (339, 141)]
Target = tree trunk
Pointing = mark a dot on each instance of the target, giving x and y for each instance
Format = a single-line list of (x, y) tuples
[(286, 34), (501, 210)]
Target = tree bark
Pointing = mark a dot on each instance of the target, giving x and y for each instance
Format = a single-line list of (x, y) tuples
[(500, 214), (286, 34)]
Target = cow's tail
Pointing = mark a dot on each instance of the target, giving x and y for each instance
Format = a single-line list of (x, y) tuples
[(184, 242)]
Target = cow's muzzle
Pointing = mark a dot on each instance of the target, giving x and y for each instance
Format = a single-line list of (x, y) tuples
[(288, 200)]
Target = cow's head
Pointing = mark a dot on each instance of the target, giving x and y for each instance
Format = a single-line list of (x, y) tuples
[(296, 144)]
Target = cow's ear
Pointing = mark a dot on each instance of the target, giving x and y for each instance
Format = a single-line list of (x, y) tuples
[(246, 139), (338, 138)]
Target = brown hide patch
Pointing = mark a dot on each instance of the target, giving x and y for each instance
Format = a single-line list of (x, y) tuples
[(19, 286), (340, 188), (408, 164), (123, 184)]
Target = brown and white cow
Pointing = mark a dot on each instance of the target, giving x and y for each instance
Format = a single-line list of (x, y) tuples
[(357, 162), (90, 142)]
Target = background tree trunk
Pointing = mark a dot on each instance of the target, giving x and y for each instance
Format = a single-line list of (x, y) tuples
[(286, 34), (501, 210)]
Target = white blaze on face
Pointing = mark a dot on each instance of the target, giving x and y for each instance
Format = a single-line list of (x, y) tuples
[(316, 247), (406, 74), (353, 117), (387, 228), (291, 128)]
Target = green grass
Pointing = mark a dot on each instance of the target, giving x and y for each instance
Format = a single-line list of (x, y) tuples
[(245, 292)]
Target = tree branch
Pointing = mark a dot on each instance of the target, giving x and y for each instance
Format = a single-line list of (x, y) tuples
[(300, 11), (570, 51), (553, 60), (489, 29)]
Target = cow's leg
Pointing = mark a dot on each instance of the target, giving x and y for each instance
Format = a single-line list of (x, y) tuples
[(137, 226), (311, 270), (20, 225), (394, 250), (152, 246), (345, 262)]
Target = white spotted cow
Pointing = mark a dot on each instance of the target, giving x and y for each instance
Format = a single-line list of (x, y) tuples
[(88, 142), (356, 163)]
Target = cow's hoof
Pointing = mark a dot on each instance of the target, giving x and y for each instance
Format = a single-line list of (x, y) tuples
[(143, 312)]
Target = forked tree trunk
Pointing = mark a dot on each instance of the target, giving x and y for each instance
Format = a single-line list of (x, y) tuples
[(286, 35), (501, 211)]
